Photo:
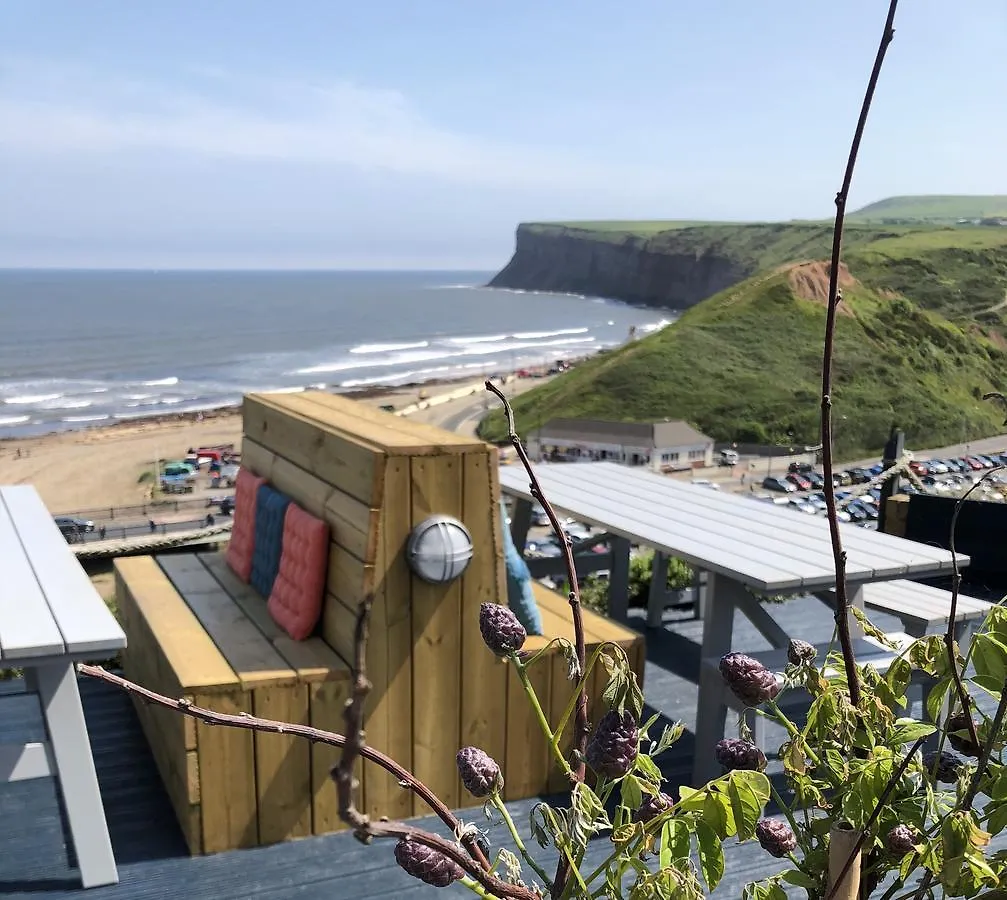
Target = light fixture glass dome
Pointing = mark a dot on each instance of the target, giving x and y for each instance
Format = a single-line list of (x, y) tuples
[(439, 549)]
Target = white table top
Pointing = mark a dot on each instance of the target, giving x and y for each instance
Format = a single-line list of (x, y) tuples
[(770, 549), (48, 606)]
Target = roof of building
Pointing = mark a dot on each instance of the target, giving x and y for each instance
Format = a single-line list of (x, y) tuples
[(653, 435)]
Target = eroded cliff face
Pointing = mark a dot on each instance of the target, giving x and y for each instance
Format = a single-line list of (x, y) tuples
[(621, 267)]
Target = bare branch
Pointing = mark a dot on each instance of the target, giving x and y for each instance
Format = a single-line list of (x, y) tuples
[(581, 725), (835, 297)]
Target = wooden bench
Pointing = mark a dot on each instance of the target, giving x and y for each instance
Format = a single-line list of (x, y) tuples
[(923, 609), (373, 477)]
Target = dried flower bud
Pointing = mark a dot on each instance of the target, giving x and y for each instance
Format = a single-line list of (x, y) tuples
[(614, 745), (799, 652), (734, 753), (901, 839), (962, 743), (653, 805), (776, 837), (427, 864), (945, 766), (500, 628), (480, 772), (752, 683)]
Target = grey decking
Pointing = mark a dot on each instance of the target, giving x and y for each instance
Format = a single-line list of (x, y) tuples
[(151, 855)]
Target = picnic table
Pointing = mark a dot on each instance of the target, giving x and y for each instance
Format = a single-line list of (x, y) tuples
[(50, 617), (746, 548)]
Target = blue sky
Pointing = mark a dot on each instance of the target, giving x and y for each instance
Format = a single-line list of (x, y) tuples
[(406, 134)]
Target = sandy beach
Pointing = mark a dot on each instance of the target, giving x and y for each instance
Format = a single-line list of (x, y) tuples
[(101, 467)]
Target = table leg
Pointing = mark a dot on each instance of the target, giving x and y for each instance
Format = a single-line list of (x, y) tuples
[(71, 750), (658, 590), (711, 711), (618, 579)]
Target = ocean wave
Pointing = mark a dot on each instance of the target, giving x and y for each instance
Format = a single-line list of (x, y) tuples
[(395, 376), (391, 361), (389, 348), (64, 403), (162, 382), (478, 339), (452, 287), (31, 399), (536, 335), (654, 326), (13, 420), (82, 419), (137, 397), (300, 389)]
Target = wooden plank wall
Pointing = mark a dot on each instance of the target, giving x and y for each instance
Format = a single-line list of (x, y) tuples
[(420, 633)]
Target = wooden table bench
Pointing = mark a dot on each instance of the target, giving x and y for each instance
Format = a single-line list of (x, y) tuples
[(923, 609), (50, 617), (196, 631)]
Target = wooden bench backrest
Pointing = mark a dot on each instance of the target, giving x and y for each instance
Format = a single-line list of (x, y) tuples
[(374, 476)]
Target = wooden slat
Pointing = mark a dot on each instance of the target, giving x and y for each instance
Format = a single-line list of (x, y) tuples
[(327, 700), (342, 462), (282, 766), (354, 524), (445, 441), (484, 676), (227, 777), (192, 657), (527, 764), (376, 431), (253, 658), (84, 621), (27, 626), (436, 488), (338, 624), (390, 704), (312, 659), (349, 577)]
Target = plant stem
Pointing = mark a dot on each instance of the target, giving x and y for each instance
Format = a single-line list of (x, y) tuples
[(475, 887), (780, 717), (529, 689), (835, 297), (512, 828)]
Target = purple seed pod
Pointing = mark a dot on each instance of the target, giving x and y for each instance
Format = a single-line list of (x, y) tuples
[(776, 838), (614, 745), (480, 772), (962, 743), (500, 628), (901, 839), (734, 753), (945, 766), (427, 864), (653, 805), (753, 684), (799, 652)]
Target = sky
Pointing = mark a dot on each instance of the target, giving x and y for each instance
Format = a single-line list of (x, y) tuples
[(407, 134)]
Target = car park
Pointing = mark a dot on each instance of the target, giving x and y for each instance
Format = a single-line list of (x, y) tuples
[(780, 485)]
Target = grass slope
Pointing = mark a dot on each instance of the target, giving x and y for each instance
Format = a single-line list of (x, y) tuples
[(934, 208), (746, 364)]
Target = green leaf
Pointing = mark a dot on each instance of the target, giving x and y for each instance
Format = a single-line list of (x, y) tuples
[(648, 770), (989, 656), (800, 879), (588, 809), (746, 807), (906, 731), (669, 737), (991, 686), (676, 842), (907, 865), (872, 630), (898, 676), (716, 809), (758, 783), (935, 701), (632, 794), (711, 854)]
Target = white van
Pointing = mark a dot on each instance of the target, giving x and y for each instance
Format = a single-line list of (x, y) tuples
[(729, 457)]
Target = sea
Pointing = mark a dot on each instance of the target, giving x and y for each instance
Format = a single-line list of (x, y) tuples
[(86, 348)]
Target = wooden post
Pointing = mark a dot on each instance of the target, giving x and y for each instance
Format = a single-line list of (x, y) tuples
[(893, 453), (842, 839)]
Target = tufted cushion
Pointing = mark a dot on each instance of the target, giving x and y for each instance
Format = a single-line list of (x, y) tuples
[(242, 543), (270, 510), (520, 597), (296, 601)]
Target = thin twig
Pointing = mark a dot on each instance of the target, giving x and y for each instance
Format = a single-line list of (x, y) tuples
[(835, 297), (581, 726), (317, 736), (878, 808), (987, 750), (949, 635)]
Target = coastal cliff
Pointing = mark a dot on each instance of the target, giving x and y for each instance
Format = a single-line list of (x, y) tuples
[(620, 266)]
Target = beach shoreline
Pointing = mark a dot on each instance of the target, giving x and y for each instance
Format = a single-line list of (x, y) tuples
[(110, 464)]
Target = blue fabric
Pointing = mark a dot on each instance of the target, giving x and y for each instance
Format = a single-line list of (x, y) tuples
[(270, 512), (520, 597)]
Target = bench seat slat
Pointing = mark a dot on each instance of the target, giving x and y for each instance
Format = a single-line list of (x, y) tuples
[(254, 659), (925, 603), (27, 627), (84, 621)]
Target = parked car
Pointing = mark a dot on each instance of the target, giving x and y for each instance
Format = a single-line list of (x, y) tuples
[(799, 482), (938, 467), (919, 467), (799, 467), (772, 483), (816, 479), (842, 479)]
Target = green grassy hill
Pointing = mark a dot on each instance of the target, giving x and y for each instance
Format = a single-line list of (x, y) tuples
[(933, 208), (921, 338)]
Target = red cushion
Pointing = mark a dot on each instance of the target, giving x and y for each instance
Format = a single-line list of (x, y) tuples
[(242, 544), (296, 600)]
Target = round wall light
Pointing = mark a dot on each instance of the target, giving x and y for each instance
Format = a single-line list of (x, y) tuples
[(439, 549)]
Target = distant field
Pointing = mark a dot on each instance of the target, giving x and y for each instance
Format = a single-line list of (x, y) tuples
[(642, 228), (934, 207)]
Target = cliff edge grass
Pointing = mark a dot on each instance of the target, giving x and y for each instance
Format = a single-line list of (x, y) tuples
[(920, 339)]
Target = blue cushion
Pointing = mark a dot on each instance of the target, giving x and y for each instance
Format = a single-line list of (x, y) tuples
[(270, 512), (520, 597)]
